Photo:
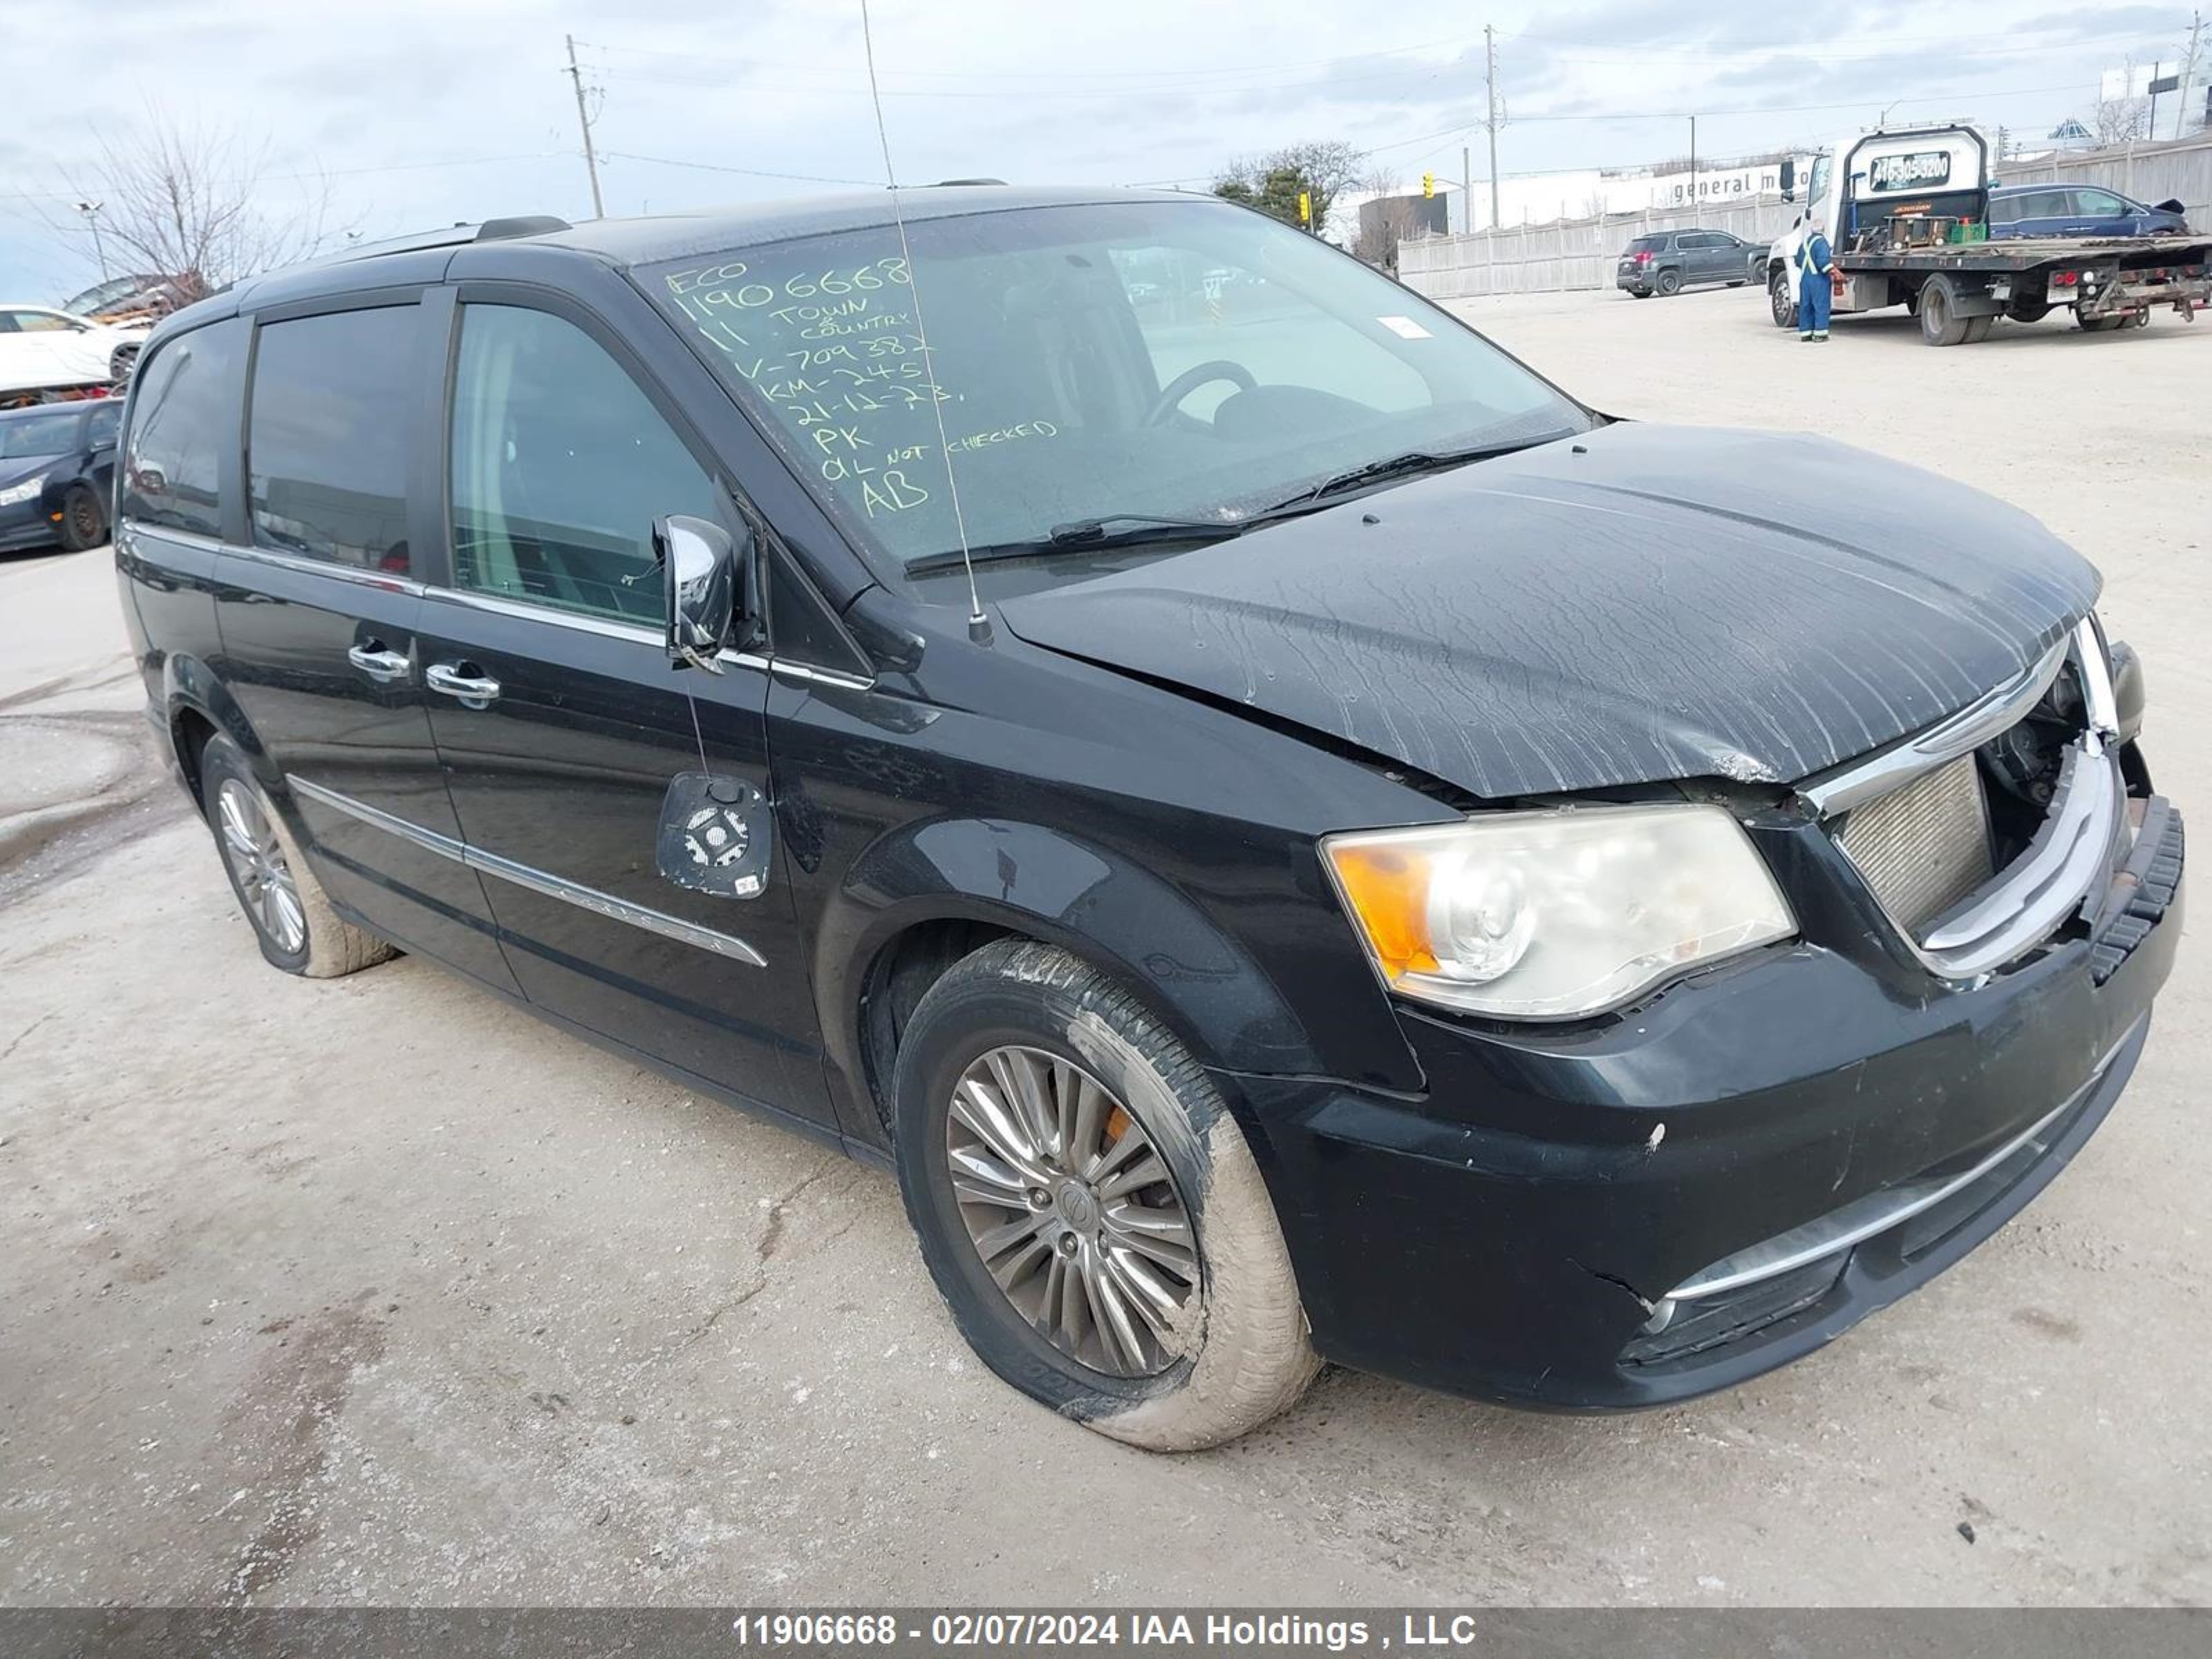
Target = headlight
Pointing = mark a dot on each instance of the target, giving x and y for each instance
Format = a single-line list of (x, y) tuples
[(16, 493), (1555, 915)]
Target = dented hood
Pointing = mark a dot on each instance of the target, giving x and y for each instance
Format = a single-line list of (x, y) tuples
[(1646, 603)]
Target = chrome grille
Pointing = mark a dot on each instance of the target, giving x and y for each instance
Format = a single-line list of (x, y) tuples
[(1924, 847)]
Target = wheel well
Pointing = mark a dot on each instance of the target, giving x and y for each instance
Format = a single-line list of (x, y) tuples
[(190, 732), (898, 979)]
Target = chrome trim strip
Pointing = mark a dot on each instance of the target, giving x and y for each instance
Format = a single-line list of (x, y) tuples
[(1971, 728), (345, 573), (611, 628), (614, 910), (1877, 1213), (429, 840), (193, 539), (537, 880), (500, 605)]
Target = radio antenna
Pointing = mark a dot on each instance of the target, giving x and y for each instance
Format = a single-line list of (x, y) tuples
[(979, 625)]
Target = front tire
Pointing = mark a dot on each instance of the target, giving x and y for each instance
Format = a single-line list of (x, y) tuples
[(1089, 1207), (1780, 301), (84, 520), (293, 921)]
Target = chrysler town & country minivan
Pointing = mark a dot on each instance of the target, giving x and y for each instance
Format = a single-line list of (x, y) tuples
[(1295, 837)]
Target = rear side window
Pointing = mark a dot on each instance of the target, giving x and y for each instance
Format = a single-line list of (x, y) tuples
[(1648, 245), (327, 440), (183, 410), (560, 464)]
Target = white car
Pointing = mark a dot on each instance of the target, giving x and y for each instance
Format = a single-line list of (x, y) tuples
[(44, 349)]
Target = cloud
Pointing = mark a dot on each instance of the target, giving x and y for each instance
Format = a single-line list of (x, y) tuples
[(424, 112)]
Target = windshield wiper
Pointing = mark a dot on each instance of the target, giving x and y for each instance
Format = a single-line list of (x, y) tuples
[(1116, 530), (1113, 530), (1397, 467)]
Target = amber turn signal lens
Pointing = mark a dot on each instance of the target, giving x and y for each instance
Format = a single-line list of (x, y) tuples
[(1388, 888)]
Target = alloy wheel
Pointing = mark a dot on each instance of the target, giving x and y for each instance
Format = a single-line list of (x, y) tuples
[(256, 859), (1073, 1212)]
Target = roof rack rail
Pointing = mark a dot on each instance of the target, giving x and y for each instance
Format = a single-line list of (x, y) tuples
[(947, 183), (523, 224)]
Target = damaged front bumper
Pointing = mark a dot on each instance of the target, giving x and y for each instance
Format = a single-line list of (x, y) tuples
[(1719, 1181)]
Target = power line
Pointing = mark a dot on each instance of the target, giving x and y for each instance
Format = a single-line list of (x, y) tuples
[(749, 173)]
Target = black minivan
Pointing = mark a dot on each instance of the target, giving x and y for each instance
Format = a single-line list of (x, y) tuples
[(1292, 836)]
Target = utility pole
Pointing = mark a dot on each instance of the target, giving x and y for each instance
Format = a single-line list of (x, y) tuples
[(1490, 85), (2188, 74), (1466, 193), (1693, 161), (584, 121)]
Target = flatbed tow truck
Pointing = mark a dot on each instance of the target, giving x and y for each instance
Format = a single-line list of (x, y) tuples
[(1907, 216)]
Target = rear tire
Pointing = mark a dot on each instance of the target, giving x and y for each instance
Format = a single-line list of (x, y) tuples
[(1233, 1351), (84, 520), (293, 921), (121, 366), (1670, 283), (1940, 322), (1977, 328)]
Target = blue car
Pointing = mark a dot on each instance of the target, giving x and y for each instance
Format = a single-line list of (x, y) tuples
[(2078, 210)]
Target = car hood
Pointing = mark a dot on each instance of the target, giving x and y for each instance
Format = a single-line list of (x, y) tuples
[(1644, 603), (14, 469)]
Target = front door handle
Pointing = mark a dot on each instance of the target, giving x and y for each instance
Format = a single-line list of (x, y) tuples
[(379, 664), (475, 690)]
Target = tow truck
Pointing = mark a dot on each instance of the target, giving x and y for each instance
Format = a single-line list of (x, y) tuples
[(1906, 211)]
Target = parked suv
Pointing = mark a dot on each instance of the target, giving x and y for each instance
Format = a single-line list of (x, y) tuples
[(1672, 260), (1289, 833)]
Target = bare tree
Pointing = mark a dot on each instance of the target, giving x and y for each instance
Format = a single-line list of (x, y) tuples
[(195, 205), (1322, 168), (2120, 120), (2123, 119)]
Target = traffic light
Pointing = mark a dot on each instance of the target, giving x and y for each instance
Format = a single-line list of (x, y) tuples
[(1305, 207), (1428, 184)]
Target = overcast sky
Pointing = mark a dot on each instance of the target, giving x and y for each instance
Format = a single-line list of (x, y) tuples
[(425, 112)]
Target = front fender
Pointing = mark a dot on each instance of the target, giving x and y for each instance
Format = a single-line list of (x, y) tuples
[(1066, 891)]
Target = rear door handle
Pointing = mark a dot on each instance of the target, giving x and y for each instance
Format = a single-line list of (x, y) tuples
[(475, 690), (379, 664)]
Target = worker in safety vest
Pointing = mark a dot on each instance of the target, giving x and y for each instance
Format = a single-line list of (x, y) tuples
[(1815, 284)]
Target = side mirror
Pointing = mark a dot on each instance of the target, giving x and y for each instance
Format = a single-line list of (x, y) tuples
[(704, 573), (1789, 178)]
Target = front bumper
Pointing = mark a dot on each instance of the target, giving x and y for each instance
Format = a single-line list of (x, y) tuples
[(1515, 1233), (27, 525)]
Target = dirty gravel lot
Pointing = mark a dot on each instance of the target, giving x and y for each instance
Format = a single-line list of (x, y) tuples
[(378, 1290)]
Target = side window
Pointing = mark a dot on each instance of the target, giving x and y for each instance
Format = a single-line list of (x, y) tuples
[(2098, 205), (327, 438), (183, 410), (2004, 209), (46, 322), (560, 465), (100, 426)]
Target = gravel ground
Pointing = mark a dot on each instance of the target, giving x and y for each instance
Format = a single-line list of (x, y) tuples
[(376, 1290)]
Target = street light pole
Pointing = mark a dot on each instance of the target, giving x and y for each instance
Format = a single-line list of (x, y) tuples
[(91, 211)]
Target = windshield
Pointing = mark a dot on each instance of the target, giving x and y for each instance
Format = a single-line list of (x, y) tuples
[(28, 436), (1186, 360)]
